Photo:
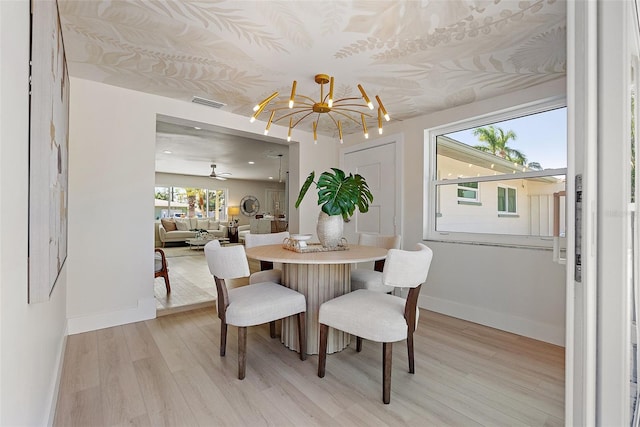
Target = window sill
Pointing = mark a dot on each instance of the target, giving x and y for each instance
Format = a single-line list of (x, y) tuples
[(462, 202), (507, 215)]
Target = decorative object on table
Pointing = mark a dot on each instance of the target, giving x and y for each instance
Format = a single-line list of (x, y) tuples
[(304, 248), (298, 108), (202, 235), (233, 211), (249, 205), (233, 234), (339, 194)]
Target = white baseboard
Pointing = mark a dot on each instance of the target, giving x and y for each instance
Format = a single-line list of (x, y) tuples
[(145, 310), (505, 322), (50, 417)]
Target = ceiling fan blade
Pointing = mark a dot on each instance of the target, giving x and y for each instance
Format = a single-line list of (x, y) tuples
[(220, 178), (224, 174)]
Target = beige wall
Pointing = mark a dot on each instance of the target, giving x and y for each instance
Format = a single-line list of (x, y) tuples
[(32, 336), (514, 289)]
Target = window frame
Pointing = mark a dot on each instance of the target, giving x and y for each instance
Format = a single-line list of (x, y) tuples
[(431, 181), (476, 190), (507, 212)]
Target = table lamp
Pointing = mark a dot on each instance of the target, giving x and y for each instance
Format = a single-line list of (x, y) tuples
[(233, 211)]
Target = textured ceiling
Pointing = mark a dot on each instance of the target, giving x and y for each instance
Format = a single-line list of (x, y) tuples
[(418, 56)]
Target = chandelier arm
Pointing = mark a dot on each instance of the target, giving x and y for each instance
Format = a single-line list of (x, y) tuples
[(345, 115), (291, 114), (311, 100), (335, 101), (301, 119)]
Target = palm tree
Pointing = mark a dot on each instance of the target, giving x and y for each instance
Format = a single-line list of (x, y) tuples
[(495, 141)]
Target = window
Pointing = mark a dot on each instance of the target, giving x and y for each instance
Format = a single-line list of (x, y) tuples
[(507, 200), (172, 202), (468, 192), (495, 179)]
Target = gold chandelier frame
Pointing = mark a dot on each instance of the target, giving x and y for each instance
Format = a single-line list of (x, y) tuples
[(335, 109)]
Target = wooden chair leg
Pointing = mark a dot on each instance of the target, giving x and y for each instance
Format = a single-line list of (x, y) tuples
[(272, 329), (386, 372), (223, 338), (302, 335), (166, 282), (322, 351), (412, 369), (242, 352), (358, 344)]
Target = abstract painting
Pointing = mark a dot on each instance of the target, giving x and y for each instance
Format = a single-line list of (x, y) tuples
[(48, 151)]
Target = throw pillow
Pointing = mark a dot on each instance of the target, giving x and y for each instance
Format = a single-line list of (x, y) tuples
[(203, 224), (213, 225), (182, 225), (168, 224)]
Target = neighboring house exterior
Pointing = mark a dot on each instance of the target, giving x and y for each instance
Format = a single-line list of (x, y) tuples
[(515, 206)]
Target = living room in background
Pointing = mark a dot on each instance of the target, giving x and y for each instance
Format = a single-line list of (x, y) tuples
[(188, 202), (493, 179), (48, 151)]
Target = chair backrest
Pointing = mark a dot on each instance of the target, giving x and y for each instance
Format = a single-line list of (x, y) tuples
[(407, 269), (228, 262), (380, 241), (251, 240)]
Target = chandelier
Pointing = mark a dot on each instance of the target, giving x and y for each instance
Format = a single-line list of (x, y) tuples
[(299, 107)]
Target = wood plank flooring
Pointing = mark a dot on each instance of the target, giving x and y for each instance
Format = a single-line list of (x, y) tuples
[(167, 371)]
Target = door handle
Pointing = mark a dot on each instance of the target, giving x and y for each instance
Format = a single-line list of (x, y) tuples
[(556, 228)]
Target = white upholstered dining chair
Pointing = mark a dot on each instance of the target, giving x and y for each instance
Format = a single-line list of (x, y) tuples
[(364, 278), (251, 305), (252, 240), (379, 316)]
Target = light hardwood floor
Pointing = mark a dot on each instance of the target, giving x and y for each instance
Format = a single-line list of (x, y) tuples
[(167, 371)]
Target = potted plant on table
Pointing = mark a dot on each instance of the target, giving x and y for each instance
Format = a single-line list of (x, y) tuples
[(339, 194)]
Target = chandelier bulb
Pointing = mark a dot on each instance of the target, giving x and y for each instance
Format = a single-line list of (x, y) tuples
[(273, 113), (365, 97), (364, 126), (293, 94), (330, 102), (384, 111), (379, 121), (315, 133), (290, 127)]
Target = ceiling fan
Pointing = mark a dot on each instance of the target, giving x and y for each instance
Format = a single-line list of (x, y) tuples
[(220, 176)]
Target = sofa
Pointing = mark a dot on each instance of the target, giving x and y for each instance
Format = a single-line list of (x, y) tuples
[(182, 229)]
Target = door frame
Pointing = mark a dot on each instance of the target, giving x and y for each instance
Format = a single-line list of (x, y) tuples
[(398, 141)]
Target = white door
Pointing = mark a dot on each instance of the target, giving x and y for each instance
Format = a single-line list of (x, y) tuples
[(377, 162), (603, 51)]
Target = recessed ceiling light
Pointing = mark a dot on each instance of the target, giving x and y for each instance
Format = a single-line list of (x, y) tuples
[(167, 152), (270, 177), (197, 128), (252, 163)]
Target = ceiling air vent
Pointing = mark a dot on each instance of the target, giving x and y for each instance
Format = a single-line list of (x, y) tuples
[(207, 102)]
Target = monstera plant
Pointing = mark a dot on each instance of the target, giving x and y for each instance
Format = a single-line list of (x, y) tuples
[(339, 195)]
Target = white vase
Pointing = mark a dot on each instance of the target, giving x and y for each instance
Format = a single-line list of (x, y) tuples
[(329, 229)]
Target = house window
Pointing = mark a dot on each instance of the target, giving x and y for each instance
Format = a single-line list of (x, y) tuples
[(172, 202), (468, 192), (507, 200), (517, 159)]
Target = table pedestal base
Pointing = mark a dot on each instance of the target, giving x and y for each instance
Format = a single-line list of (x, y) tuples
[(318, 283)]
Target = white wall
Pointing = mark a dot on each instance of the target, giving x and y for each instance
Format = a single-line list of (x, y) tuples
[(112, 162), (32, 336), (518, 290)]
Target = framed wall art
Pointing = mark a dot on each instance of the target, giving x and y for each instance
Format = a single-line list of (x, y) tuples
[(48, 151)]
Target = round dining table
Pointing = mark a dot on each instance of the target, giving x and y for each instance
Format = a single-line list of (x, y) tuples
[(319, 276)]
